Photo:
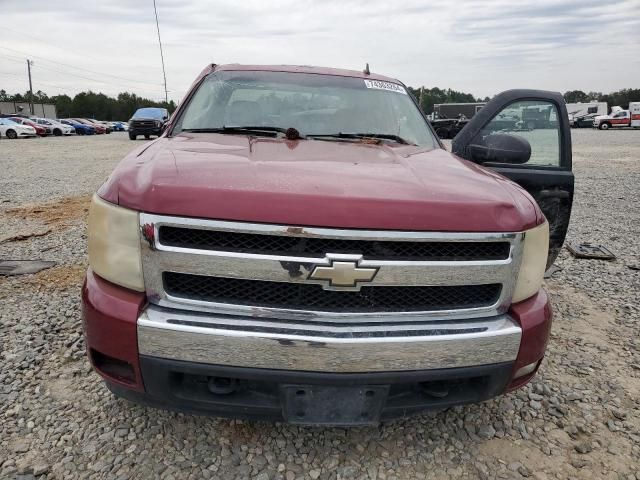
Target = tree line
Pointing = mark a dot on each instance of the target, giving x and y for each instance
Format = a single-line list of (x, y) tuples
[(98, 105), (428, 97), (621, 98), (90, 104)]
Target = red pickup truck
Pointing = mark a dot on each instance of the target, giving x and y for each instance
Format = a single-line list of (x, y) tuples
[(298, 245)]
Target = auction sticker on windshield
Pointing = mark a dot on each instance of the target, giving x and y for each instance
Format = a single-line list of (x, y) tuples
[(377, 84)]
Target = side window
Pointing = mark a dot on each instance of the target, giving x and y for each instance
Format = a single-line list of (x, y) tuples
[(535, 121)]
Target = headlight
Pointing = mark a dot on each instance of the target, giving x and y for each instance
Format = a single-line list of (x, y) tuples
[(534, 261), (114, 244)]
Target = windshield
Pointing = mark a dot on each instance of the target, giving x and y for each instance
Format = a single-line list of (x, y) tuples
[(312, 104), (157, 113)]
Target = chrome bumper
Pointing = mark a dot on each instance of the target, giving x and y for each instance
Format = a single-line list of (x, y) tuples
[(414, 344)]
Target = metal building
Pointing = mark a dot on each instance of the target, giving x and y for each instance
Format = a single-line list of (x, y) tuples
[(45, 110)]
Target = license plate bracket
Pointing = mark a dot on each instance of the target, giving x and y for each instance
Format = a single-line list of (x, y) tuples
[(333, 405)]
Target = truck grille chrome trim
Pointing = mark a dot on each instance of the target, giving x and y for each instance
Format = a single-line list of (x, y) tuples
[(276, 344), (297, 267), (317, 247), (307, 296)]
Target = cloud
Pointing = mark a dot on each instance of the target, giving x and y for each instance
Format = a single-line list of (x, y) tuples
[(471, 45)]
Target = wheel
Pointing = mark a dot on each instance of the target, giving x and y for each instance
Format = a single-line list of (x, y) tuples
[(12, 134), (604, 126), (80, 131), (132, 136), (147, 136), (531, 125), (108, 131), (57, 132)]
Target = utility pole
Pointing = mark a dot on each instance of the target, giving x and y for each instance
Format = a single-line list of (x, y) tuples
[(166, 96), (29, 63)]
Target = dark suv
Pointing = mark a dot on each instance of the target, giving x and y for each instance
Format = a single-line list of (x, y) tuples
[(147, 121)]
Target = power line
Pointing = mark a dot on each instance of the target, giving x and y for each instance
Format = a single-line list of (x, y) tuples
[(39, 81), (164, 74), (67, 73), (76, 75), (72, 74), (66, 88), (80, 68), (12, 58)]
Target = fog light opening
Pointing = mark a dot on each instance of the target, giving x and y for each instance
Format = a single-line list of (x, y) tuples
[(436, 389), (526, 370), (113, 367), (222, 385)]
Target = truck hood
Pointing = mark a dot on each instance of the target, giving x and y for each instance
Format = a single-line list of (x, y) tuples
[(318, 183)]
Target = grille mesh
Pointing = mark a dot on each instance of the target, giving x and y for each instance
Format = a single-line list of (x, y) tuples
[(301, 296), (318, 247)]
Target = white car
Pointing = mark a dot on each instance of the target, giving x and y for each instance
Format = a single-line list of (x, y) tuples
[(11, 129), (54, 127)]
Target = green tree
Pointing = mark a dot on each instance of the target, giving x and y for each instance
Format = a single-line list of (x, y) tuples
[(431, 96), (575, 96)]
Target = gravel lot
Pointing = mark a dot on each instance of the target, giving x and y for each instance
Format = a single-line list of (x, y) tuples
[(579, 419)]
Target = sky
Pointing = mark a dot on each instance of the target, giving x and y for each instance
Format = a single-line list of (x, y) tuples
[(475, 46)]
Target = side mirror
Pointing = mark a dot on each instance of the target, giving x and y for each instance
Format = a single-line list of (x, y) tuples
[(501, 148)]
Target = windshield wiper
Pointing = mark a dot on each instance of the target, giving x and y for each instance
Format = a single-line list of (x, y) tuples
[(243, 130), (382, 136)]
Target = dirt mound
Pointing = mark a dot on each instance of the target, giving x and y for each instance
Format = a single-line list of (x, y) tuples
[(54, 213), (58, 278)]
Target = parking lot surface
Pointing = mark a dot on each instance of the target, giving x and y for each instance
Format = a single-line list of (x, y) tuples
[(580, 418)]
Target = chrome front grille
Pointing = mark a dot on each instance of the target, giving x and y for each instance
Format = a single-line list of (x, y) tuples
[(318, 247), (304, 296), (262, 272), (143, 123)]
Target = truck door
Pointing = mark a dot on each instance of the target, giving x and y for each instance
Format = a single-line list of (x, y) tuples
[(634, 108), (621, 119), (538, 159)]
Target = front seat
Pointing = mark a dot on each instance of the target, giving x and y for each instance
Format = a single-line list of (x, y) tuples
[(243, 113)]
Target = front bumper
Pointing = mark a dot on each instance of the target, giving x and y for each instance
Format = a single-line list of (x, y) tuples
[(310, 397), (168, 358), (255, 343), (146, 130)]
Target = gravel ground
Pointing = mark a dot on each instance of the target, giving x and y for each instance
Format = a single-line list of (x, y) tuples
[(578, 419)]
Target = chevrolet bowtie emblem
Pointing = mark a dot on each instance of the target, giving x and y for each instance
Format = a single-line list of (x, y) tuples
[(343, 274)]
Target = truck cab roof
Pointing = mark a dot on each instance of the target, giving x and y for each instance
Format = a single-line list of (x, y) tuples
[(301, 69)]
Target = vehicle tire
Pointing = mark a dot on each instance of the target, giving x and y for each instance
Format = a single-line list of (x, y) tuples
[(80, 131), (12, 134), (108, 132), (147, 137), (531, 125), (57, 132), (132, 136), (604, 126)]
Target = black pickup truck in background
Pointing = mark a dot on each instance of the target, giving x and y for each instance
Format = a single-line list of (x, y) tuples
[(147, 121)]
